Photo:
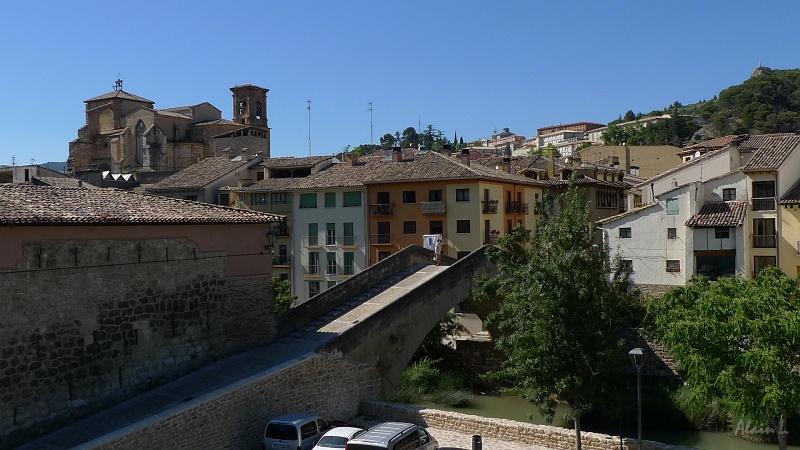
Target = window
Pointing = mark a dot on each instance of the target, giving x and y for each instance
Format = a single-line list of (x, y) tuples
[(624, 233), (330, 234), (763, 189), (313, 234), (673, 265), (409, 196), (672, 206), (349, 263), (331, 260), (308, 200), (462, 226), (760, 262), (281, 198), (313, 288), (283, 254), (764, 233), (348, 239), (331, 284), (384, 233), (409, 227), (383, 255), (313, 263), (462, 195), (190, 197), (722, 233), (626, 265), (283, 276), (330, 199), (437, 227), (606, 198), (672, 233), (383, 198), (435, 195), (729, 194), (351, 199), (259, 199), (224, 199)]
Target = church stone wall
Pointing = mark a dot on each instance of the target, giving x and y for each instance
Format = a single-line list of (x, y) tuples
[(85, 324)]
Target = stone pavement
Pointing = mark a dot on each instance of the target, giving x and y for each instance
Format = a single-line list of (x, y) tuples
[(451, 440)]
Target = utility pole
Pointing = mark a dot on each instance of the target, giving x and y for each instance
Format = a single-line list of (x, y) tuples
[(309, 127), (370, 122)]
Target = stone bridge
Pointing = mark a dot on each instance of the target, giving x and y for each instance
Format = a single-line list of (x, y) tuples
[(347, 345)]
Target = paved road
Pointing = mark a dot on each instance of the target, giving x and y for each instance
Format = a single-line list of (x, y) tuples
[(450, 440)]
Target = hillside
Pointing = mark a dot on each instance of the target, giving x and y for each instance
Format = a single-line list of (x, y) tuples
[(767, 102)]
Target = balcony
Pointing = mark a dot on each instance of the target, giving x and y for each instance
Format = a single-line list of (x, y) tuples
[(380, 239), (765, 241), (429, 208), (309, 241), (332, 269), (491, 239), (516, 208), (763, 204), (490, 206), (347, 241), (281, 261), (381, 209)]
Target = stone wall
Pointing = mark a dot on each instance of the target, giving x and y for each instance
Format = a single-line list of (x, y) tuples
[(235, 417), (551, 437), (654, 290), (85, 324)]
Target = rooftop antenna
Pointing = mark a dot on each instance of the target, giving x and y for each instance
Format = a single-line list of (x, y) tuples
[(118, 83), (309, 127), (33, 161), (13, 160), (370, 122)]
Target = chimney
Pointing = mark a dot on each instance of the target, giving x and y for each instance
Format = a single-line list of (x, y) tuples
[(506, 164), (397, 154), (244, 182), (465, 156), (627, 159), (352, 160), (446, 148), (551, 163)]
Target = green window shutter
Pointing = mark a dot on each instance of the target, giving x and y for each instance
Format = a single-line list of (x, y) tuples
[(308, 200), (330, 199), (352, 199)]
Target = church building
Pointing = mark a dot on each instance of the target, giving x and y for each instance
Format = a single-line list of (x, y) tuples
[(126, 133)]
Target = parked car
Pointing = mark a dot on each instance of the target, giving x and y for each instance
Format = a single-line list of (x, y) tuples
[(337, 437), (294, 431), (394, 436)]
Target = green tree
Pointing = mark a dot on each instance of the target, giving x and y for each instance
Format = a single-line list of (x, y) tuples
[(629, 116), (736, 340), (282, 295), (387, 141), (409, 138), (564, 307)]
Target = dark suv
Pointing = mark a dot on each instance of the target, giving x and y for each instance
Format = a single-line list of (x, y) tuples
[(394, 436)]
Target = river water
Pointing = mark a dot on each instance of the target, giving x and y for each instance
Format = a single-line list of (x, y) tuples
[(516, 408)]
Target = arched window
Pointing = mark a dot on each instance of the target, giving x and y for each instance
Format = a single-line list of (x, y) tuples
[(140, 141), (242, 106), (258, 110)]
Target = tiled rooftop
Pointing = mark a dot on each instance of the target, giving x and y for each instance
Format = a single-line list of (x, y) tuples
[(293, 163), (772, 150), (119, 94), (793, 196), (47, 205), (63, 182), (713, 144), (719, 214), (198, 175)]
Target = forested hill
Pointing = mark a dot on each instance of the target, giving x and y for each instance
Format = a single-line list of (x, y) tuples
[(767, 102)]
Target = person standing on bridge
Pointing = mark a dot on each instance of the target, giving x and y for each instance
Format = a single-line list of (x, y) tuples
[(437, 249)]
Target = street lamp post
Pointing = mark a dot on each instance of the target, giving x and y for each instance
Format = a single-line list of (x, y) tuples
[(637, 359)]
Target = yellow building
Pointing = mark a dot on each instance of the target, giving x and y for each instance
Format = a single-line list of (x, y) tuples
[(790, 237)]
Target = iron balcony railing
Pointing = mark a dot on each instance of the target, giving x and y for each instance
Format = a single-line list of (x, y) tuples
[(516, 208), (490, 238), (282, 261), (765, 241), (433, 208), (380, 239), (763, 204), (490, 207), (381, 209), (309, 241)]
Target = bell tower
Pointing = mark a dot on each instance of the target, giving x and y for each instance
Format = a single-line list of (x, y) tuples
[(250, 105)]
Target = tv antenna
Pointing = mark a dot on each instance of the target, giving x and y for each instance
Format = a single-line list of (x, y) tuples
[(309, 127), (370, 122)]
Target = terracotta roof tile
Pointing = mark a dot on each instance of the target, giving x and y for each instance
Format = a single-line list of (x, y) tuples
[(293, 163), (63, 182), (719, 214), (772, 151), (793, 196), (119, 94), (47, 205), (198, 175), (723, 141)]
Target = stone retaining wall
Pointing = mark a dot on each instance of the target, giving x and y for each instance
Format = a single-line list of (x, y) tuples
[(235, 417), (503, 429)]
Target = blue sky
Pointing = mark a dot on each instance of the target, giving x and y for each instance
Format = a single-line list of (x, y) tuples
[(471, 67)]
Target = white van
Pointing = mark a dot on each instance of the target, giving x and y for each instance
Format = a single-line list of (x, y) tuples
[(294, 431)]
